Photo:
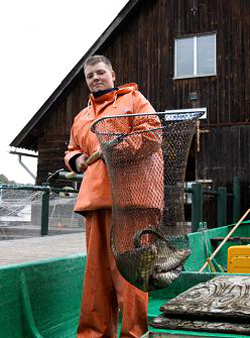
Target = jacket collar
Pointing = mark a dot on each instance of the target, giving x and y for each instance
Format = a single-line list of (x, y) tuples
[(103, 92), (102, 101)]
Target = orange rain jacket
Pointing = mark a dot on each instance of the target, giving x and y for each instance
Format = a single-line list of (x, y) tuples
[(95, 191)]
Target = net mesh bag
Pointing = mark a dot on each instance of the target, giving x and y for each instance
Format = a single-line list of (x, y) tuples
[(146, 157)]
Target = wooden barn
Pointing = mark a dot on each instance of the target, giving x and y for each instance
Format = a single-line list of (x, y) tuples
[(174, 50)]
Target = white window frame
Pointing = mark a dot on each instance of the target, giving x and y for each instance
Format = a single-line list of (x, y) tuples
[(195, 74)]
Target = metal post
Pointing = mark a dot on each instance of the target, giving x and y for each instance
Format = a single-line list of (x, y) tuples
[(222, 206), (197, 206), (236, 199), (45, 214)]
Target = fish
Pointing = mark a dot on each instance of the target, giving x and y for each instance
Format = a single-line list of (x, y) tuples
[(136, 265), (161, 280), (151, 264), (168, 266), (169, 259)]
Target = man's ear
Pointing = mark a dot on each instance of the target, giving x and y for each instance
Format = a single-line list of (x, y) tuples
[(113, 76)]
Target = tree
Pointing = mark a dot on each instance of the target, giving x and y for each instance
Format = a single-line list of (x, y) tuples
[(4, 180)]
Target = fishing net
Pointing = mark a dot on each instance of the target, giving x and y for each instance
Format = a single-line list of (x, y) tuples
[(146, 157)]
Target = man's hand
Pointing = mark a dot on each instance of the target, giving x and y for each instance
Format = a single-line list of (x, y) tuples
[(81, 164)]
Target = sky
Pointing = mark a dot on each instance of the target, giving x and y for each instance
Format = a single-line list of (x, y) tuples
[(41, 41)]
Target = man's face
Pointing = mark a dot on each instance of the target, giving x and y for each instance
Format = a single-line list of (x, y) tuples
[(99, 77)]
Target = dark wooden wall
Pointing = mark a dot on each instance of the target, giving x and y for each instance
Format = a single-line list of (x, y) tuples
[(56, 126), (142, 51)]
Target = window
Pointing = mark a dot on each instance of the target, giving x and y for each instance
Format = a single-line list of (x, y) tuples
[(195, 56)]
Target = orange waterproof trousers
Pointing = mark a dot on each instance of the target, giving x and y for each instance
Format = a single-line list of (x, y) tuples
[(104, 289)]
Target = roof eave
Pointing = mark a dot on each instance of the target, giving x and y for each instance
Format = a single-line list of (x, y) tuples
[(127, 9)]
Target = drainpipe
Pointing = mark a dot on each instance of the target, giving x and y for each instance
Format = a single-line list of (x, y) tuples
[(22, 164)]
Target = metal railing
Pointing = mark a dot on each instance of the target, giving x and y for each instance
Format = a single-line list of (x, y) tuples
[(198, 192), (46, 190), (197, 205)]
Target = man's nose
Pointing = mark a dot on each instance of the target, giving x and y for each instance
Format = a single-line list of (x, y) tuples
[(95, 76)]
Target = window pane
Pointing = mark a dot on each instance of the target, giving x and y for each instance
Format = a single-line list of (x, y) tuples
[(184, 57), (206, 54)]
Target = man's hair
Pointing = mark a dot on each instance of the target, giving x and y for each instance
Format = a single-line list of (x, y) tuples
[(92, 60)]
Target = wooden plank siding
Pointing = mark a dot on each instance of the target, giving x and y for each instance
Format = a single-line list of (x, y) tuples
[(142, 51), (56, 129)]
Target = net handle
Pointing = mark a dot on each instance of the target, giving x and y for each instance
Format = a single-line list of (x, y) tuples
[(97, 154), (94, 157)]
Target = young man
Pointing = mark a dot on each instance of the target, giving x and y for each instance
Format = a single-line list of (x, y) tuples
[(104, 289)]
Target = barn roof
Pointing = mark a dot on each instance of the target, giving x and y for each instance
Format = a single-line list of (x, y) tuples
[(25, 139)]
